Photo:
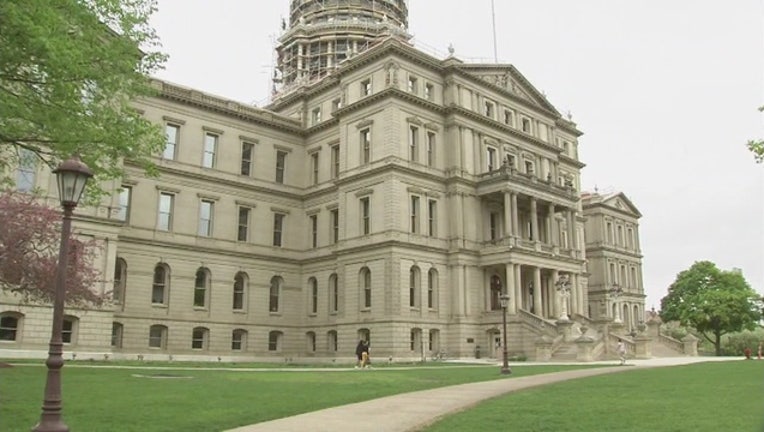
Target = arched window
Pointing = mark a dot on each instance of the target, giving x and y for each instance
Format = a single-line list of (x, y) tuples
[(202, 287), (239, 340), (313, 284), (10, 326), (120, 280), (364, 334), (495, 292), (416, 339), (414, 283), (275, 294), (158, 336), (365, 277), (311, 340), (69, 329), (160, 290), (274, 340), (334, 293), (116, 334), (200, 338), (240, 285), (432, 288), (331, 338)]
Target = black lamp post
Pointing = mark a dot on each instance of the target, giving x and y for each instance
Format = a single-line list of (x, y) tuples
[(72, 176), (504, 298)]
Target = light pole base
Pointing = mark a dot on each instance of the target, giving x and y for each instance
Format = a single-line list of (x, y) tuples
[(505, 370)]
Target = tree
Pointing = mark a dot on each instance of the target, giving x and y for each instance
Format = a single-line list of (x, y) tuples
[(30, 236), (69, 70), (757, 146), (712, 301)]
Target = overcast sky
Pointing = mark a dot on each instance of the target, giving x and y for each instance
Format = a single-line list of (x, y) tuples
[(665, 91)]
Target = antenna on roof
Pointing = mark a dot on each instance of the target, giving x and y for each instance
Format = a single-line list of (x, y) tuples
[(493, 19)]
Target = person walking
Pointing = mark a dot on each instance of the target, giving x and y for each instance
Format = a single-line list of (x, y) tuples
[(621, 350), (360, 349)]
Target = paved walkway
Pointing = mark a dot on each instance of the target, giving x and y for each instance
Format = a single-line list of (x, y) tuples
[(406, 412)]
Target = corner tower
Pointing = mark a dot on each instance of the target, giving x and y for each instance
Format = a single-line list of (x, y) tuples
[(322, 33)]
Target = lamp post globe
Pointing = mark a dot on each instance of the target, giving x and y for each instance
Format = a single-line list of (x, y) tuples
[(72, 177), (504, 299)]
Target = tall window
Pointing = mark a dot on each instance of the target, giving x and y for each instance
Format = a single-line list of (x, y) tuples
[(334, 293), (311, 341), (116, 334), (494, 225), (366, 88), (413, 143), (489, 109), (414, 214), (280, 166), (613, 275), (413, 86), (10, 325), (331, 338), (161, 285), (238, 340), (275, 293), (414, 275), (27, 171), (240, 282), (509, 118), (335, 220), (123, 211), (274, 341), (610, 232), (432, 287), (206, 212), (316, 116), (630, 238), (491, 158), (201, 287), (429, 91), (431, 149), (432, 218), (365, 216), (313, 283), (243, 230), (278, 228), (366, 287), (199, 338), (314, 231), (172, 132), (619, 230), (120, 280), (526, 125), (69, 330), (158, 336), (496, 289), (210, 148), (335, 161), (164, 222), (365, 146), (314, 167), (247, 152)]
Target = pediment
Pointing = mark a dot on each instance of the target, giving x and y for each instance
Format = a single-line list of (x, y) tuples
[(622, 203), (508, 78)]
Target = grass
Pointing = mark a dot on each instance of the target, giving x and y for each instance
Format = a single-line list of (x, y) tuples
[(723, 396), (103, 399)]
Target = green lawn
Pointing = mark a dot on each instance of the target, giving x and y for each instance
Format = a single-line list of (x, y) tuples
[(724, 396), (99, 399)]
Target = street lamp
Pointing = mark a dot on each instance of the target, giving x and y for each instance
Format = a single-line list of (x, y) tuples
[(72, 176), (504, 299), (616, 292), (563, 287)]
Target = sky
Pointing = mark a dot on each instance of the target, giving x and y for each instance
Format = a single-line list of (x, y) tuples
[(666, 93)]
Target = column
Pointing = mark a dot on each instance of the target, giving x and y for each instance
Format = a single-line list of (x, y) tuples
[(573, 294), (569, 217), (518, 286), (515, 223), (550, 224), (507, 214), (510, 287), (574, 225), (556, 295), (300, 53), (534, 220), (537, 308)]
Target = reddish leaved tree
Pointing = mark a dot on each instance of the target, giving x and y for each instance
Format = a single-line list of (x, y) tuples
[(30, 236)]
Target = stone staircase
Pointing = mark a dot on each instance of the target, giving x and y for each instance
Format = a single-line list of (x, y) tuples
[(567, 352)]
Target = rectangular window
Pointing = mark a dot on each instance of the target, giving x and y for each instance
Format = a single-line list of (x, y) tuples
[(365, 216), (166, 201), (67, 331), (526, 125), (509, 118), (335, 220), (278, 228), (242, 233), (123, 209), (413, 143), (314, 231), (365, 146), (27, 171), (316, 116), (489, 108), (206, 210), (413, 85), (247, 151), (431, 149), (335, 161), (366, 87), (280, 166), (529, 167), (491, 158), (210, 148), (494, 226), (610, 232), (336, 104), (156, 336), (630, 238), (314, 167), (414, 214), (429, 91), (172, 132), (432, 218)]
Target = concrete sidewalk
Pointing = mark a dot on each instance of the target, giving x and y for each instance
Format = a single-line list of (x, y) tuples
[(412, 411)]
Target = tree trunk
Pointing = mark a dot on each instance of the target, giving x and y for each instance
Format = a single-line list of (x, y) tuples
[(718, 344)]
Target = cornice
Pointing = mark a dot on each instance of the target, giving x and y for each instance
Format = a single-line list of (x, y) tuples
[(570, 161)]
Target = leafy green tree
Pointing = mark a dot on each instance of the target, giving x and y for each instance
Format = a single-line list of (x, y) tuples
[(712, 301), (757, 146), (69, 70)]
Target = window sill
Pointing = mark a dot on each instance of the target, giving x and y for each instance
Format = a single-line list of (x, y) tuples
[(312, 315), (272, 313), (366, 309), (159, 305), (200, 308), (239, 311)]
